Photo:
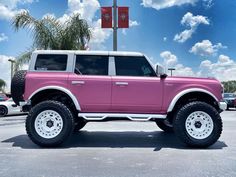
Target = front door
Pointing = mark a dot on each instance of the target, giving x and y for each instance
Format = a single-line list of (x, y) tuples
[(136, 87)]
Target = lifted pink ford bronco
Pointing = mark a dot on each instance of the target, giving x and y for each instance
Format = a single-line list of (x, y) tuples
[(63, 90)]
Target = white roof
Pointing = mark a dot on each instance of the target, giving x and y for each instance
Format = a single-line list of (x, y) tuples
[(85, 52)]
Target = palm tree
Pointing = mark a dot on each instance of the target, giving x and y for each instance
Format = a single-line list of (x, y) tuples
[(2, 85), (50, 33)]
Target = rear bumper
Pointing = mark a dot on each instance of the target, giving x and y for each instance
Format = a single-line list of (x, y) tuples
[(222, 105)]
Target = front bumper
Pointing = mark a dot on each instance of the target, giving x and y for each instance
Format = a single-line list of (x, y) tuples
[(222, 105)]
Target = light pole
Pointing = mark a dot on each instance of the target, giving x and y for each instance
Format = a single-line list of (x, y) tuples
[(115, 25), (171, 70), (12, 66)]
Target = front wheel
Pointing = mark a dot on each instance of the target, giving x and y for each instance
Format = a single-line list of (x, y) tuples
[(198, 124), (49, 123)]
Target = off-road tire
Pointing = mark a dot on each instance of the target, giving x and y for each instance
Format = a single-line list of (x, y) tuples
[(3, 111), (166, 127), (18, 86), (181, 117), (79, 125), (62, 110)]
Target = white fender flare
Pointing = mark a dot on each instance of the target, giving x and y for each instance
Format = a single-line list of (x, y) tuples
[(66, 91), (184, 92)]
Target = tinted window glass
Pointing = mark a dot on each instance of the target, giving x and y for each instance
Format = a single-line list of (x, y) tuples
[(51, 62), (133, 66), (91, 65)]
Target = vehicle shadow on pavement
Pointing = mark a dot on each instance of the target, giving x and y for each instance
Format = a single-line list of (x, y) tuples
[(104, 139)]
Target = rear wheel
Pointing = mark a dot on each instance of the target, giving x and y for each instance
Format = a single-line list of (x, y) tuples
[(3, 111), (49, 123), (198, 124)]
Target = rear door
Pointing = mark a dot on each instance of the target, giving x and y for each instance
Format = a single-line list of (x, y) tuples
[(91, 84), (135, 87)]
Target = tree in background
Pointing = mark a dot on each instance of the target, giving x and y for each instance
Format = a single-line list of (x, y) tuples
[(2, 85), (50, 33), (229, 86)]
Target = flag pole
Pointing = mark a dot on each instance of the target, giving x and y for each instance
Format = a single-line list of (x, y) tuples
[(115, 25)]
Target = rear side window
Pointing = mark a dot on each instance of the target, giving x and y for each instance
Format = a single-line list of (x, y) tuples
[(51, 62), (91, 65), (133, 66)]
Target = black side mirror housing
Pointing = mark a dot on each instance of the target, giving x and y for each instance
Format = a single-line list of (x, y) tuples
[(163, 76)]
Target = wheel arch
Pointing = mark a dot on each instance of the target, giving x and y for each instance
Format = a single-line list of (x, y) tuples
[(190, 93), (57, 88)]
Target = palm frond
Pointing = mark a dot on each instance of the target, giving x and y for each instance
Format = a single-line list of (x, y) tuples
[(22, 59), (76, 34), (2, 85)]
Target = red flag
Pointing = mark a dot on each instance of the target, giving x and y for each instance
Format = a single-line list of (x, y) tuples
[(106, 16), (123, 17)]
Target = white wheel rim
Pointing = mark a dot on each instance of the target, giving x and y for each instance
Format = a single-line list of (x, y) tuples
[(199, 125), (48, 124)]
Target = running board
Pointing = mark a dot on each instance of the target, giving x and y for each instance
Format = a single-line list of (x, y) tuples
[(133, 117)]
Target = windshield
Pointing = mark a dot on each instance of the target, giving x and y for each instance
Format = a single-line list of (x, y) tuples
[(229, 95)]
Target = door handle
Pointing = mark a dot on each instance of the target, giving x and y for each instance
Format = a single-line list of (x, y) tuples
[(122, 83), (77, 82)]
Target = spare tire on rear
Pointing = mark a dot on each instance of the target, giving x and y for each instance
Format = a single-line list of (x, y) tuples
[(18, 86)]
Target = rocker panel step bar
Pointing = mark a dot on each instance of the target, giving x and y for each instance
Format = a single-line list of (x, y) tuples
[(133, 117)]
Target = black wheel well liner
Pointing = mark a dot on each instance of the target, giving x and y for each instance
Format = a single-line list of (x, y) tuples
[(190, 97), (54, 94)]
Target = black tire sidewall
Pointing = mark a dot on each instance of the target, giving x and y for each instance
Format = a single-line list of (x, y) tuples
[(6, 111), (79, 125), (180, 130), (164, 127), (18, 86), (66, 116)]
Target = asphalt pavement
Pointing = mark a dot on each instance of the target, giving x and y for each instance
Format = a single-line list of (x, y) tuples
[(116, 149)]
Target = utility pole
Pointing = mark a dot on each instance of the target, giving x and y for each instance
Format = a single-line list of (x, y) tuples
[(115, 25), (171, 70), (12, 66)]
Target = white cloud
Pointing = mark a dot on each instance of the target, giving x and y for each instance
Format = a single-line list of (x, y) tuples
[(86, 8), (99, 36), (206, 48), (171, 61), (224, 69), (208, 3), (5, 68), (162, 4), (164, 39), (131, 24), (3, 37), (192, 22), (8, 8)]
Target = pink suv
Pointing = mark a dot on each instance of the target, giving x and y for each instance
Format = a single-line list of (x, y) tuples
[(63, 90)]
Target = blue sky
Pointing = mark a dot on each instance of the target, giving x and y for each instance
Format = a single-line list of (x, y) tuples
[(197, 37)]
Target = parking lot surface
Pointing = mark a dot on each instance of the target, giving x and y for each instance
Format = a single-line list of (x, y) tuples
[(116, 149)]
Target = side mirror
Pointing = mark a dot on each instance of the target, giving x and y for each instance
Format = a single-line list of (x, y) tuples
[(160, 72)]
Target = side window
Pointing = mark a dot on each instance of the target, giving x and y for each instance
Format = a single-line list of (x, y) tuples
[(133, 66), (51, 62), (91, 65)]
